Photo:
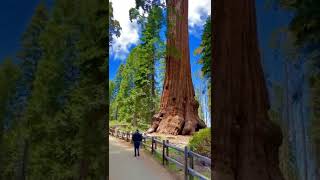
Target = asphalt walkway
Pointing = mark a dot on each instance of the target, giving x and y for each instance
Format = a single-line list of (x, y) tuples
[(124, 166)]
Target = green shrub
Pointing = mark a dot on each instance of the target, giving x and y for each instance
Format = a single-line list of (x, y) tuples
[(201, 142), (127, 126)]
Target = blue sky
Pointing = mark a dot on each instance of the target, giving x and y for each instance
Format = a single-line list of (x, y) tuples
[(14, 18), (270, 20)]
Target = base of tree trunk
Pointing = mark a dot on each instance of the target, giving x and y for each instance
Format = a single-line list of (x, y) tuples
[(175, 124)]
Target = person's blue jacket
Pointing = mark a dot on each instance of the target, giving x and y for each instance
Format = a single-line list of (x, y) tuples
[(136, 138)]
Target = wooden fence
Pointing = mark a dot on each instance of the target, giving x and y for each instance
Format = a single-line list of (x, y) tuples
[(187, 165)]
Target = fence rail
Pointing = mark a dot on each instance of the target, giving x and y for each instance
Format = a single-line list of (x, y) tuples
[(187, 165)]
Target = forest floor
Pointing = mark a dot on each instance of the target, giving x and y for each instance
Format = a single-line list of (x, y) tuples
[(123, 165)]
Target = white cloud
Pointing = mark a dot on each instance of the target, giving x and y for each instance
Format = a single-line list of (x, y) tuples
[(198, 12), (129, 33)]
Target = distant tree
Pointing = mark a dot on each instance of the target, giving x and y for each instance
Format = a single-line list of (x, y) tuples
[(205, 52), (205, 49), (114, 25), (32, 51), (151, 41), (9, 74)]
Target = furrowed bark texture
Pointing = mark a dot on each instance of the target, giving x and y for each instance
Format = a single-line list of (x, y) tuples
[(178, 109), (245, 141)]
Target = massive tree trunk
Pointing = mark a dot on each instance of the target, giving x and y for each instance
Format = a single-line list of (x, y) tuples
[(178, 109), (246, 142)]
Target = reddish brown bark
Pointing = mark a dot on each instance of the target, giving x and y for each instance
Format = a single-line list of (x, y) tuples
[(245, 141), (179, 109)]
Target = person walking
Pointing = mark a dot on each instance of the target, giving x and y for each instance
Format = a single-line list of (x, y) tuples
[(136, 138)]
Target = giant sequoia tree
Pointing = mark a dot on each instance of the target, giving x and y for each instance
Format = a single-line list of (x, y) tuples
[(245, 142), (178, 109)]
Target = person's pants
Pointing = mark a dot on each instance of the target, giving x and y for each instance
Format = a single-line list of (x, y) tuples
[(136, 148)]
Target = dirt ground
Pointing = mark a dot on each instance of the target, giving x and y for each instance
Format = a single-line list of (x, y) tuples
[(178, 140)]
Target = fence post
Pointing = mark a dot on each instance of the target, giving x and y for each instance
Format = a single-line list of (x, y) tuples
[(128, 136), (155, 144), (152, 141), (191, 163), (186, 162), (167, 149), (163, 151)]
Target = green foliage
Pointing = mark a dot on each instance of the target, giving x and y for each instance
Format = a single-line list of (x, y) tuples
[(205, 49), (127, 126), (31, 49), (16, 130), (306, 23), (114, 25), (287, 164), (133, 14), (45, 103), (135, 100), (134, 97), (9, 74), (201, 142), (315, 130), (197, 97), (61, 131)]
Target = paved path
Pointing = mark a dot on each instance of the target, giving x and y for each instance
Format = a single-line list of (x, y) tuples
[(124, 166)]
